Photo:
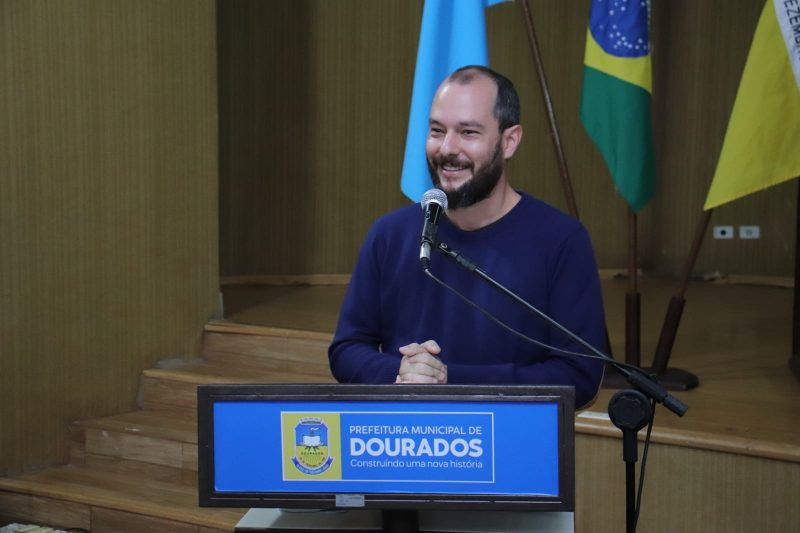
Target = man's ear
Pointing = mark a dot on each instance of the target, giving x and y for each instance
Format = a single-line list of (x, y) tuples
[(512, 136)]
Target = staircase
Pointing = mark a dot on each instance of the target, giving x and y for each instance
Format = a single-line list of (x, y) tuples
[(137, 471)]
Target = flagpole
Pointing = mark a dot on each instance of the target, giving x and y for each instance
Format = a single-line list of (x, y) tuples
[(633, 353), (572, 207), (566, 182), (675, 378), (794, 360)]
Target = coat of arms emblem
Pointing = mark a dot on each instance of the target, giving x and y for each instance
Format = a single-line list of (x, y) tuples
[(311, 454)]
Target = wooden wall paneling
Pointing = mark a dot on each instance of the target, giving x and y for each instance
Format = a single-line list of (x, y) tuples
[(773, 255), (264, 100), (364, 116), (312, 129), (108, 165), (686, 489)]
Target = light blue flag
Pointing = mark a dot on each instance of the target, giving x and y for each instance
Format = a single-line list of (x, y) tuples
[(452, 35)]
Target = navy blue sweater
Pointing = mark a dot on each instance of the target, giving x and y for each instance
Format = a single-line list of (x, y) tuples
[(535, 250)]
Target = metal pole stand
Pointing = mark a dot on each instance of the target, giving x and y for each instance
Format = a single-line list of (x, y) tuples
[(630, 411)]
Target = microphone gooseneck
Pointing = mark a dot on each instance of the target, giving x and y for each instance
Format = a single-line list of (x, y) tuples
[(433, 203)]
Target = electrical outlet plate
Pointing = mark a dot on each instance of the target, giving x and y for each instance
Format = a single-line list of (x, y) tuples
[(723, 232), (749, 232)]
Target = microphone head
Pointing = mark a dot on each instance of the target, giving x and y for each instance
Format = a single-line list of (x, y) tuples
[(434, 195)]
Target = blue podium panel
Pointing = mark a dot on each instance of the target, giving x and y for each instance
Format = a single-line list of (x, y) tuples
[(386, 446)]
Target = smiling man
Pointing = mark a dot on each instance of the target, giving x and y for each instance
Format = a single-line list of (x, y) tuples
[(467, 144), (398, 326)]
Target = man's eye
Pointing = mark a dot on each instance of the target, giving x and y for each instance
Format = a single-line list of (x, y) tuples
[(470, 133)]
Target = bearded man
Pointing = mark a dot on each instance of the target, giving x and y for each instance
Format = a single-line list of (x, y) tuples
[(397, 326)]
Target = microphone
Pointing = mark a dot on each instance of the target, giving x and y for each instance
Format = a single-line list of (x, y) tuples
[(433, 203)]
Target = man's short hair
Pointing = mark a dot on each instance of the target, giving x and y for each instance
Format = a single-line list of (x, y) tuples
[(506, 105)]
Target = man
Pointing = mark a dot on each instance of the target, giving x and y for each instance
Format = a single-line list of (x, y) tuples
[(398, 325)]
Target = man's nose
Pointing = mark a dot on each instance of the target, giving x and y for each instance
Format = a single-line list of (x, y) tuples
[(449, 144)]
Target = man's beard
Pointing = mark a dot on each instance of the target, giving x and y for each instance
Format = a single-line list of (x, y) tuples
[(478, 187)]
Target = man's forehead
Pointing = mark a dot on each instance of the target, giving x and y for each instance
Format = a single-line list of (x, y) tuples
[(465, 102), (479, 86)]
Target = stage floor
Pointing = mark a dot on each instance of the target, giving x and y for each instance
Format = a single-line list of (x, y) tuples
[(736, 338)]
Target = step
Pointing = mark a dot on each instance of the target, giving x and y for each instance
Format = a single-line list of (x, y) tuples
[(274, 349), (137, 471), (166, 388), (163, 443), (97, 500)]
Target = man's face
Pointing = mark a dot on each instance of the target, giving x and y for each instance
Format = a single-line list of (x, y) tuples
[(464, 145)]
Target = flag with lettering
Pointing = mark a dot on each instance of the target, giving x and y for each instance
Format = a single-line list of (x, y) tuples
[(452, 35), (762, 143), (616, 94)]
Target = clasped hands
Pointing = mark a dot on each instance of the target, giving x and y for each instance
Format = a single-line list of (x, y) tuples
[(420, 364)]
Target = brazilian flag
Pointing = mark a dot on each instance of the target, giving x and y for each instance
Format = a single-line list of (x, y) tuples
[(615, 100)]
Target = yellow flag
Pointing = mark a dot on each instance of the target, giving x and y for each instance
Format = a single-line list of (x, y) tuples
[(762, 144)]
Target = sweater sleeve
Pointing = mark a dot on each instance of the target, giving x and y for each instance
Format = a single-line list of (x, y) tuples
[(575, 301), (355, 354)]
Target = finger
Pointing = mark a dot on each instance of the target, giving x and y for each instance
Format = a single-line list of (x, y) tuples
[(424, 358), (421, 363), (431, 346), (407, 367), (418, 378), (410, 349), (430, 373)]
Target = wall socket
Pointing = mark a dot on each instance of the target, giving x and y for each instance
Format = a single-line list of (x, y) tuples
[(723, 232), (749, 232)]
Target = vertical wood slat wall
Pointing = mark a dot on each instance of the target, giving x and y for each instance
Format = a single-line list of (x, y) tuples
[(108, 207), (314, 97)]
